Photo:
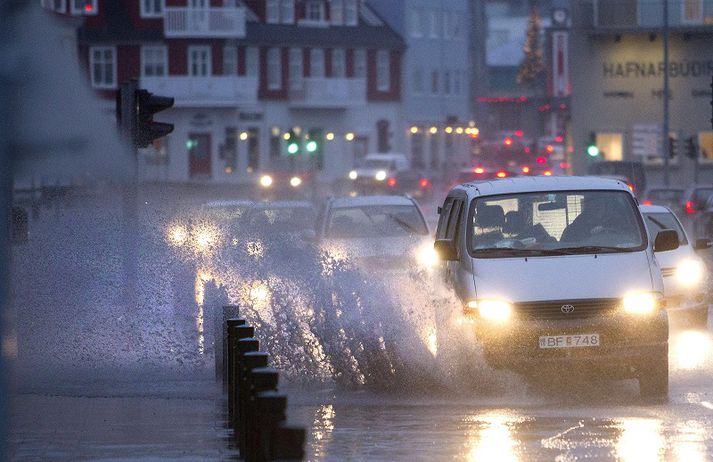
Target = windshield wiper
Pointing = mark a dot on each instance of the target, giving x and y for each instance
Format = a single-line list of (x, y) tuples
[(509, 251), (591, 249)]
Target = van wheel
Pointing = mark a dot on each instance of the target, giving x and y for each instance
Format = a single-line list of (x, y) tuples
[(653, 378)]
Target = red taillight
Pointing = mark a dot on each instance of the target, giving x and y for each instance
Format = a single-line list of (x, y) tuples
[(564, 164), (423, 183), (501, 174), (541, 160), (549, 148), (391, 182), (525, 169), (647, 202), (689, 207), (88, 8), (559, 139), (508, 141), (519, 133), (479, 170)]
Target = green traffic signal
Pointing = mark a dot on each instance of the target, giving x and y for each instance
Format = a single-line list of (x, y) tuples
[(293, 147), (593, 150), (311, 146)]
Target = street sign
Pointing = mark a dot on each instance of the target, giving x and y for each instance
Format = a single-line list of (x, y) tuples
[(646, 140)]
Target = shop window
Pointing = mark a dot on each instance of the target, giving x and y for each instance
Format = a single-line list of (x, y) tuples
[(705, 146), (610, 145)]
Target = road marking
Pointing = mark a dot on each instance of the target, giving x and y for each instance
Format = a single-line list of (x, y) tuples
[(707, 405)]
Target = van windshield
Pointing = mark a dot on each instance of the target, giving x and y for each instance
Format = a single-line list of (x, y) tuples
[(555, 223)]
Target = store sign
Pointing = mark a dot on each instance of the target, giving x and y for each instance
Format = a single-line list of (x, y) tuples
[(201, 120), (650, 69), (560, 64)]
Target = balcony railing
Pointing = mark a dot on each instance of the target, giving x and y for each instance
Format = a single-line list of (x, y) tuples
[(225, 22), (647, 14), (210, 91), (328, 92)]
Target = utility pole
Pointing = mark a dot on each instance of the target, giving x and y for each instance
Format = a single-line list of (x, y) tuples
[(666, 153)]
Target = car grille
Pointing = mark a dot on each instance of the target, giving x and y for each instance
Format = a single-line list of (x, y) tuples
[(668, 272), (553, 310)]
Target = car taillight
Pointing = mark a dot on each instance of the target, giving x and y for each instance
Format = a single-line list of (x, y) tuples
[(547, 173), (647, 202), (541, 160), (391, 182), (423, 183), (501, 174), (479, 170), (689, 207), (525, 169)]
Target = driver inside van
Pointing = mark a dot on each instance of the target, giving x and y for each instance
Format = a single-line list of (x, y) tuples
[(600, 215)]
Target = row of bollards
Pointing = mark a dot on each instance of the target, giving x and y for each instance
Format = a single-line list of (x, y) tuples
[(256, 410)]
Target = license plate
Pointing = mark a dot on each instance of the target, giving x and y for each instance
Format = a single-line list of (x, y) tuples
[(569, 341)]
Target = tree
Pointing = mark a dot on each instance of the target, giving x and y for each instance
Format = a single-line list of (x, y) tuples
[(532, 65)]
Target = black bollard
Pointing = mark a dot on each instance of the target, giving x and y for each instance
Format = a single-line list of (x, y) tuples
[(230, 338), (259, 380), (243, 346), (288, 444), (220, 339), (270, 410), (251, 360), (238, 333)]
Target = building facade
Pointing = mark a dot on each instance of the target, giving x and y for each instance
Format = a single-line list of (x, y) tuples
[(436, 74), (617, 78), (246, 75)]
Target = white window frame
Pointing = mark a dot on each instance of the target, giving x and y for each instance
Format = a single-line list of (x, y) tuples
[(153, 13), (316, 65), (296, 68), (80, 10), (383, 70), (252, 62), (433, 25), (148, 53), (351, 15), (230, 60), (339, 63), (287, 11), (274, 68), (272, 11), (309, 9), (59, 6), (359, 63), (93, 62), (208, 62), (336, 12)]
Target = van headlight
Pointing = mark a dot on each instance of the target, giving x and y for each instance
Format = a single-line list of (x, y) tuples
[(380, 175), (353, 175), (641, 303), (690, 273), (426, 256), (266, 181), (490, 310)]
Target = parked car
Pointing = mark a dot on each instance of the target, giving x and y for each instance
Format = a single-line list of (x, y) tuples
[(557, 276), (379, 233), (684, 272), (662, 195), (632, 171)]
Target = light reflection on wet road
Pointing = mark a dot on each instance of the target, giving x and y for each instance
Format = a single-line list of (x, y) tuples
[(595, 421)]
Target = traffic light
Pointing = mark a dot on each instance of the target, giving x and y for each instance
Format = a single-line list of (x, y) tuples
[(293, 144), (672, 146), (314, 144), (691, 148), (147, 130), (592, 149)]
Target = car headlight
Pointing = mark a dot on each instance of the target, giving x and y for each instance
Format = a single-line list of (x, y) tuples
[(642, 303), (295, 181), (426, 256), (490, 310), (353, 175), (380, 175), (690, 273), (266, 181)]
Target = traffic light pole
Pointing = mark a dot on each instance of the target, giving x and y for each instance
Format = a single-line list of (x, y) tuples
[(126, 112), (666, 153)]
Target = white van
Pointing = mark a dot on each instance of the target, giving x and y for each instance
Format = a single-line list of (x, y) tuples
[(556, 273), (374, 169)]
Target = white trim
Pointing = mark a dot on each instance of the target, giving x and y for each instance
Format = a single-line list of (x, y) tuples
[(152, 14), (336, 12), (93, 62), (208, 62), (287, 11), (314, 53), (144, 61), (341, 60), (272, 11), (320, 10), (80, 11)]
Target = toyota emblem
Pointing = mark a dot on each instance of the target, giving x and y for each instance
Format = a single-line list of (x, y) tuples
[(567, 308)]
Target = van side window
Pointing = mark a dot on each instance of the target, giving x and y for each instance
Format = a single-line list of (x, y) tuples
[(454, 220), (443, 218)]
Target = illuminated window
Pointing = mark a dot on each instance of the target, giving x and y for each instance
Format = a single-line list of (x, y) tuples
[(705, 146), (610, 145)]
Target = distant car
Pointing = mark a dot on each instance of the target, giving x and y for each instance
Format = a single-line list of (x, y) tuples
[(631, 170), (684, 272), (372, 173), (279, 184), (480, 172), (296, 218), (412, 182), (215, 222), (693, 209), (661, 195), (378, 233)]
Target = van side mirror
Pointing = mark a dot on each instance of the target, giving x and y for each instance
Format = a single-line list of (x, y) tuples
[(446, 249), (666, 240), (703, 244)]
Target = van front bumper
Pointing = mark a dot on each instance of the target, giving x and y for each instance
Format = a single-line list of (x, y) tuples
[(626, 343)]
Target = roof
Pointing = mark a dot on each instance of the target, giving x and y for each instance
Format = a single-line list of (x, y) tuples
[(283, 205), (654, 209), (368, 201), (524, 184)]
